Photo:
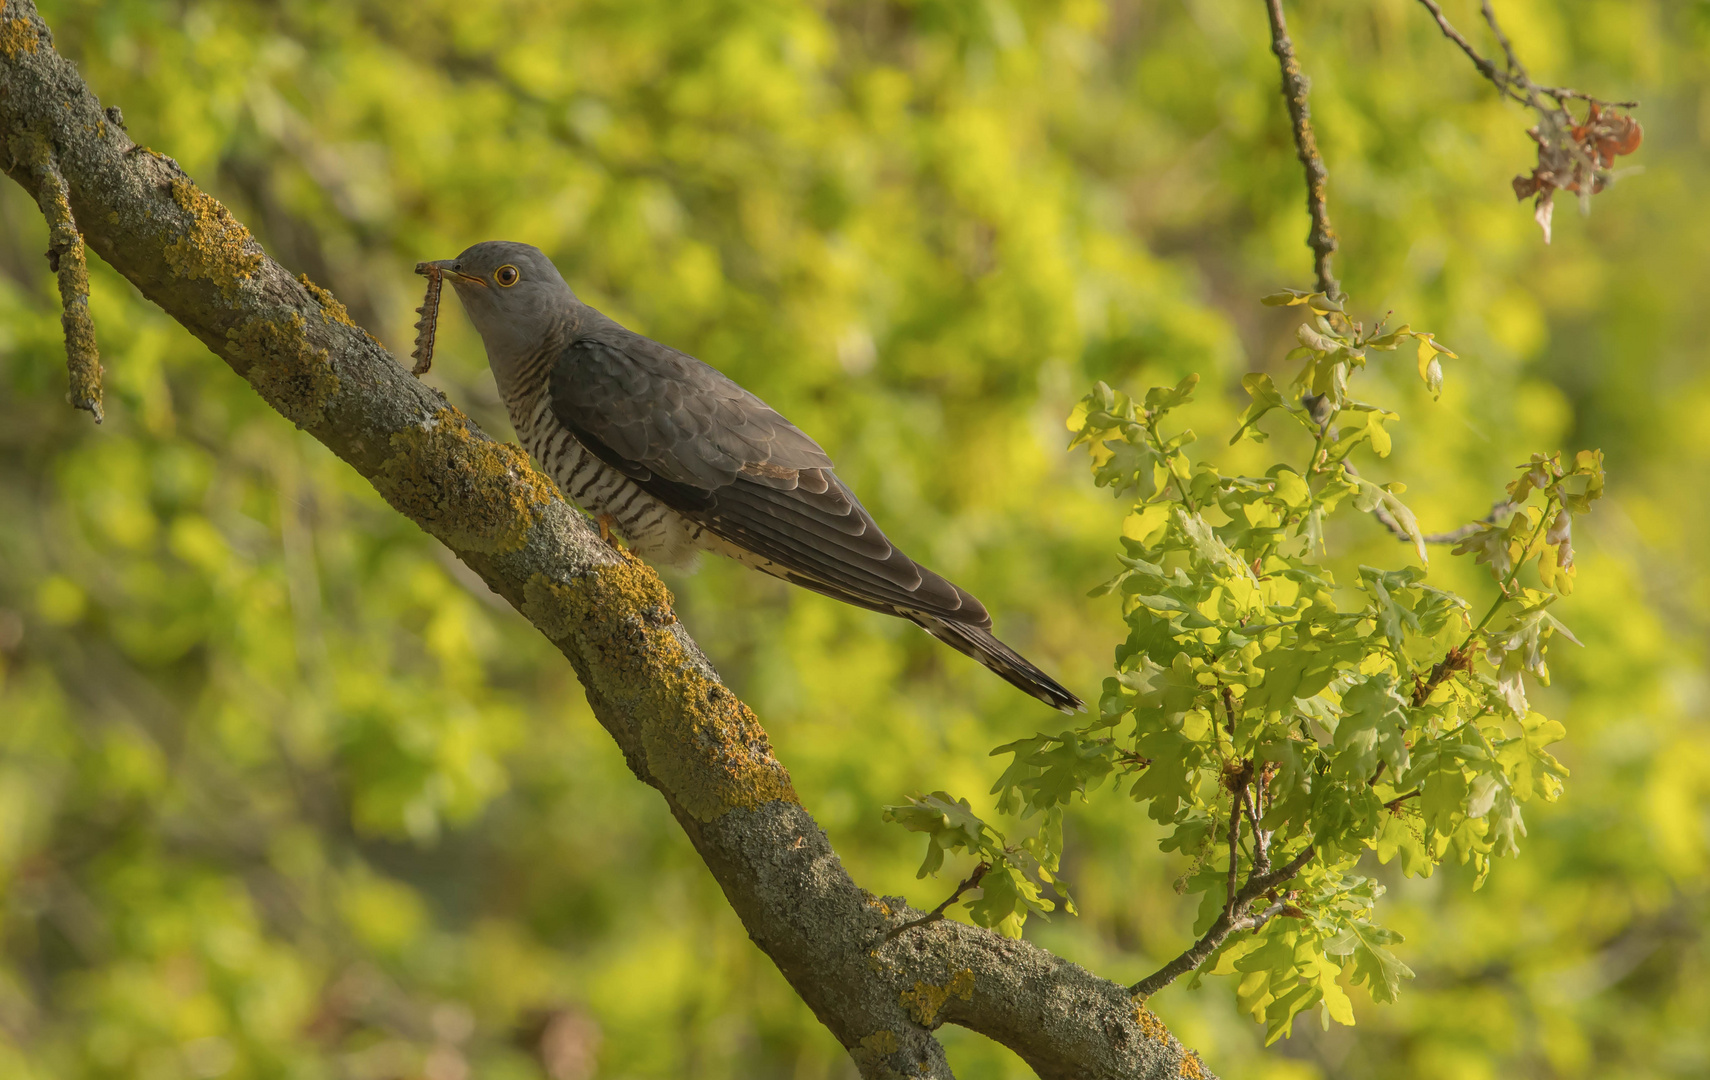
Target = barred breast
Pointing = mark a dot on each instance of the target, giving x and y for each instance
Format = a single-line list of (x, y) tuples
[(650, 528)]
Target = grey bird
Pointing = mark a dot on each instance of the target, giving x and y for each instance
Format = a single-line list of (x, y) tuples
[(680, 459)]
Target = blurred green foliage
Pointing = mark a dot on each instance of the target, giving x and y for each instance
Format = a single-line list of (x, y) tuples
[(284, 793)]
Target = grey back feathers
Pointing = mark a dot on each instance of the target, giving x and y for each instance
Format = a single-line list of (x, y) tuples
[(676, 453)]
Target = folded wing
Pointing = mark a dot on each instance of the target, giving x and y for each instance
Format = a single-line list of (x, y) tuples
[(720, 456)]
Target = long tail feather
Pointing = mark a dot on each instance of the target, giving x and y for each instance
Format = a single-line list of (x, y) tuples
[(1010, 665)]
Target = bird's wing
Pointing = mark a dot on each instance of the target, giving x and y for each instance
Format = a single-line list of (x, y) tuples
[(715, 453)]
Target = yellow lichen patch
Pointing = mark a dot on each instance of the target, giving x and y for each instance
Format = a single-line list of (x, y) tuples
[(475, 494), (703, 746), (292, 375), (1154, 1029), (30, 148), (331, 309), (875, 902), (548, 605), (1151, 1025), (872, 1050), (924, 1001), (17, 35), (217, 247)]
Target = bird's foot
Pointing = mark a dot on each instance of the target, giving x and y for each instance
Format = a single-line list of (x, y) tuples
[(606, 521)]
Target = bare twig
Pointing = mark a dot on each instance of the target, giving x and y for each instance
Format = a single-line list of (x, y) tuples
[(1486, 67), (1231, 920), (1261, 839), (1254, 922), (1295, 86), (1234, 850), (1514, 83), (937, 913), (1395, 803), (1498, 509), (1515, 68)]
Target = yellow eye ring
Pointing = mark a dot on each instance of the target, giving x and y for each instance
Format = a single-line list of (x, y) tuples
[(506, 275)]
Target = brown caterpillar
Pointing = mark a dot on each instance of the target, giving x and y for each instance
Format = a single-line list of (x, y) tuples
[(429, 312)]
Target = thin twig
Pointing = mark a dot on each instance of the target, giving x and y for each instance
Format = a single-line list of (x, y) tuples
[(1486, 67), (1227, 923), (937, 913), (1515, 83), (1234, 850), (1254, 922), (1395, 803), (1499, 508), (1515, 68), (1295, 86), (1261, 858)]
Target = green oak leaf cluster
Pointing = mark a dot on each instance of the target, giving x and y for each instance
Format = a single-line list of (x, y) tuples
[(1279, 726)]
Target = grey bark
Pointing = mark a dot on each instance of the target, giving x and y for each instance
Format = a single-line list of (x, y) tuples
[(679, 729)]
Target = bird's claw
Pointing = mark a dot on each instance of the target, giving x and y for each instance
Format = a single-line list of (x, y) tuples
[(605, 522)]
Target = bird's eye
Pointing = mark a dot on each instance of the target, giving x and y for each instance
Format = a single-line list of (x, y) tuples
[(506, 275)]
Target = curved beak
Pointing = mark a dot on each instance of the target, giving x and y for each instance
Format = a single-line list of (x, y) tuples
[(444, 266)]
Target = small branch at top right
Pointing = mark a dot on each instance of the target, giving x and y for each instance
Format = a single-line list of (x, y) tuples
[(1575, 154)]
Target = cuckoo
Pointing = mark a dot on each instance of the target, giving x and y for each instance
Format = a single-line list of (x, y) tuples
[(679, 459)]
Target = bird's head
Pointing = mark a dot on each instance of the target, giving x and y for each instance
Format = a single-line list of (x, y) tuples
[(514, 295)]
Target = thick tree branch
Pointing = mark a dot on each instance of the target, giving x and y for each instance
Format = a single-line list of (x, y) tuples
[(679, 728)]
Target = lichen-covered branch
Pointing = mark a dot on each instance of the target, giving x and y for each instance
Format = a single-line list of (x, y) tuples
[(65, 259), (679, 728), (1295, 87)]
